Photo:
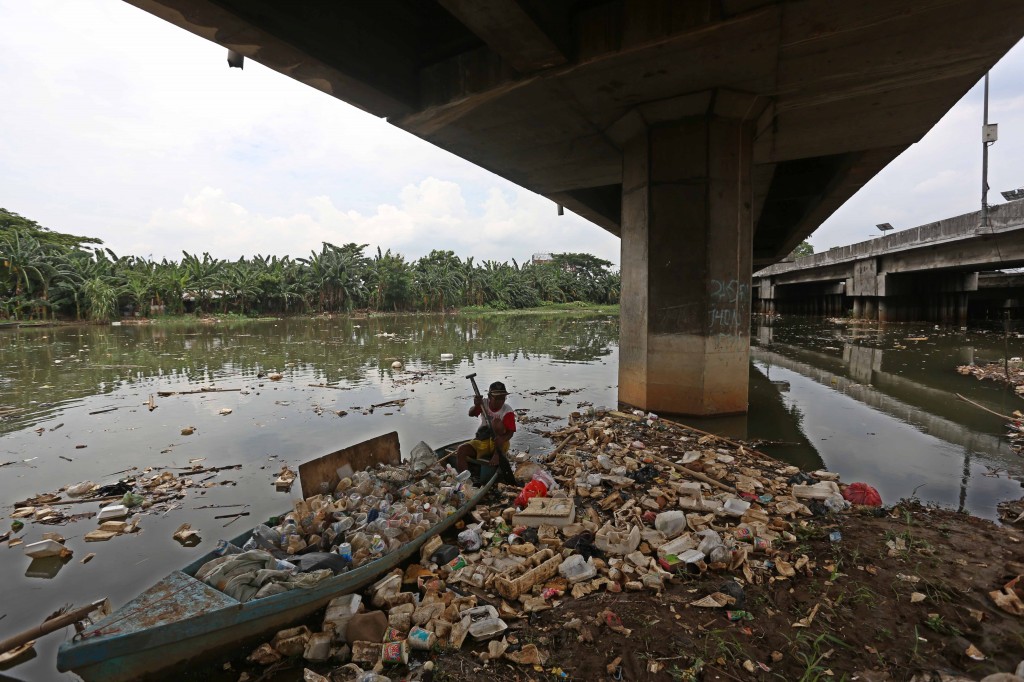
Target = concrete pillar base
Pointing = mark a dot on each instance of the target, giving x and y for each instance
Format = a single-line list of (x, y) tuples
[(686, 264)]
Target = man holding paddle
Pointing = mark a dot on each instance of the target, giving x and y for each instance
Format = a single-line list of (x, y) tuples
[(497, 424)]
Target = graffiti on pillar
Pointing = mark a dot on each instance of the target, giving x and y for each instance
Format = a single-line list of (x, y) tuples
[(728, 292), (728, 302)]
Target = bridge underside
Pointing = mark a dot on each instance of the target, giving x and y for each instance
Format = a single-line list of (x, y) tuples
[(807, 99)]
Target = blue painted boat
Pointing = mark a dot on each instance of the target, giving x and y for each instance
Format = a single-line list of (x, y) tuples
[(182, 620)]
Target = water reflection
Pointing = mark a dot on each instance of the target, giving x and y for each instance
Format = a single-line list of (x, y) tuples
[(46, 567), (46, 370), (880, 405)]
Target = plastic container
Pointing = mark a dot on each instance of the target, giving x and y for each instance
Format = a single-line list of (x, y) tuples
[(677, 546), (444, 554), (614, 541), (113, 512), (487, 628), (79, 489), (420, 639), (671, 523), (43, 548), (734, 506), (339, 612), (318, 647), (345, 551), (479, 612), (224, 548)]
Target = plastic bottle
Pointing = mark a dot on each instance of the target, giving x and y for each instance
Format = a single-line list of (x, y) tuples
[(265, 537)]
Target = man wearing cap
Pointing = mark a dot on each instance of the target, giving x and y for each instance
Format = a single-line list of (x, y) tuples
[(497, 424)]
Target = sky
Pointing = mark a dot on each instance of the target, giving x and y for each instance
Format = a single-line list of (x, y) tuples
[(118, 125)]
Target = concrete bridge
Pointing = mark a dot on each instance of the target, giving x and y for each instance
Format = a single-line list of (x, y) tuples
[(712, 136), (932, 272)]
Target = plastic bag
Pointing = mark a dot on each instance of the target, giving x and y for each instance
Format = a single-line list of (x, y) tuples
[(534, 488), (470, 540), (132, 500), (862, 493), (422, 457)]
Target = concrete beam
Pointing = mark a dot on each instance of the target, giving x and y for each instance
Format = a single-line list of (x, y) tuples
[(508, 30)]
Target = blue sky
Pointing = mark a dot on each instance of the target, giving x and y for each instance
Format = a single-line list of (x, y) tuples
[(119, 125)]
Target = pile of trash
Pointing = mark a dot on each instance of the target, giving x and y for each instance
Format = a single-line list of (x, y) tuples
[(120, 505), (1011, 373), (369, 515), (627, 502)]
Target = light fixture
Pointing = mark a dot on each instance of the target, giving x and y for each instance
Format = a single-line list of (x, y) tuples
[(1013, 194), (885, 227)]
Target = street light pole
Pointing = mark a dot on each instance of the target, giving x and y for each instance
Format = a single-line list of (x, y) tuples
[(984, 160)]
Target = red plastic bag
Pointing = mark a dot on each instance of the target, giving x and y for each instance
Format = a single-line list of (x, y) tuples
[(531, 490), (862, 493)]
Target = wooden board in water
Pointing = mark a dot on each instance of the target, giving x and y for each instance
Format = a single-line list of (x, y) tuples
[(380, 450)]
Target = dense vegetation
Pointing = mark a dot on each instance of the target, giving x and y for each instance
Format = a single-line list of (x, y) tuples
[(45, 274)]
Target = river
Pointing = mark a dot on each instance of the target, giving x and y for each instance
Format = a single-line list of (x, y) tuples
[(862, 400)]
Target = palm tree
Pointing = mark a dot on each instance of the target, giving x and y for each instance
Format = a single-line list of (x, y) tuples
[(201, 277)]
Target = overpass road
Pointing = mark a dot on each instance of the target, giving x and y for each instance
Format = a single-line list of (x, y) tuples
[(712, 136), (933, 272)]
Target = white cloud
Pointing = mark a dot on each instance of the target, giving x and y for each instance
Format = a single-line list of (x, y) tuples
[(121, 126), (940, 176)]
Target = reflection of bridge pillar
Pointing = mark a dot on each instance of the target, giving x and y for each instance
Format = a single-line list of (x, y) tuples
[(686, 263), (870, 311)]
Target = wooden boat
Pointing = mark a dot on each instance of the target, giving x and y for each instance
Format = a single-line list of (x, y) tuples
[(182, 620)]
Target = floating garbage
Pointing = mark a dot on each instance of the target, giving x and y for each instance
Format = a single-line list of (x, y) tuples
[(46, 548)]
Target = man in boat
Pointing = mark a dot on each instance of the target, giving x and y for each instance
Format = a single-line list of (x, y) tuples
[(497, 424)]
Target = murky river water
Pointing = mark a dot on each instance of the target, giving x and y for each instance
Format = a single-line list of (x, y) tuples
[(862, 401)]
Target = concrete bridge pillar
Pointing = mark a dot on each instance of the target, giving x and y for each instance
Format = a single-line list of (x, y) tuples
[(686, 264)]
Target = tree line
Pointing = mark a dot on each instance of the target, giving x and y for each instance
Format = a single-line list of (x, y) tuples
[(46, 274)]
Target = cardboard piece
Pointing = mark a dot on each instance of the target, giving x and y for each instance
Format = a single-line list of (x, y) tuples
[(380, 450)]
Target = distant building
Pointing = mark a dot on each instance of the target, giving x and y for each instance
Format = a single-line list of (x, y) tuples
[(539, 258)]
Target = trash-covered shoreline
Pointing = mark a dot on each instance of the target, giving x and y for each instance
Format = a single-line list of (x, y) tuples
[(636, 530)]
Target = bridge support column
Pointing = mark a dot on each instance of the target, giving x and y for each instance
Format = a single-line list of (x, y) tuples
[(686, 264)]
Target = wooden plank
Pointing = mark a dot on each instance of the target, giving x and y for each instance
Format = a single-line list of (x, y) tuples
[(380, 450)]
